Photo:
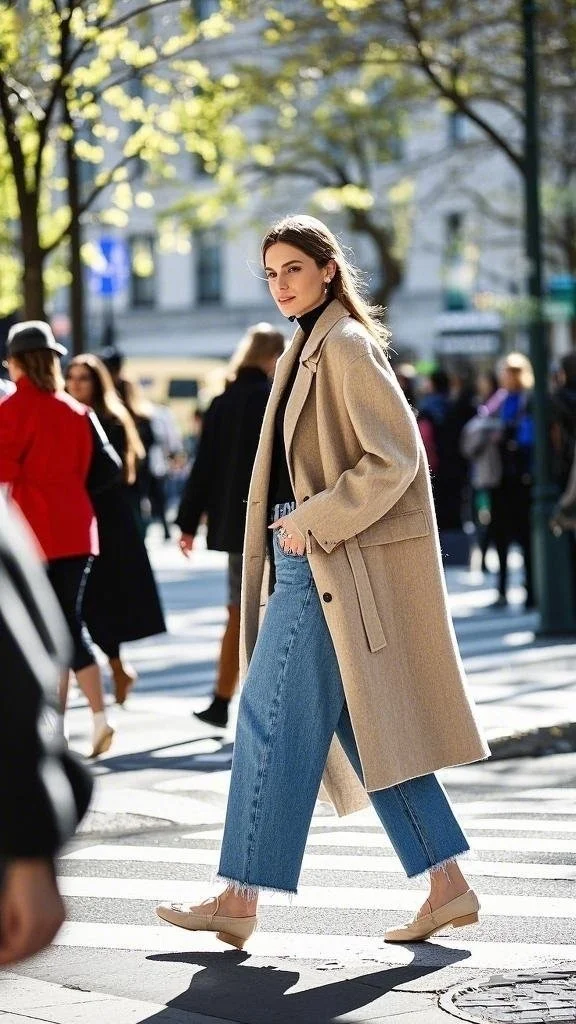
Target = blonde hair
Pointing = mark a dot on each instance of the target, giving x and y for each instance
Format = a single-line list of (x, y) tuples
[(260, 344), (106, 402), (312, 237), (521, 364), (42, 367)]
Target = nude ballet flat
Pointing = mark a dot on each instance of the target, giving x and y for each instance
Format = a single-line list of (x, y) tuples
[(233, 930), (458, 912)]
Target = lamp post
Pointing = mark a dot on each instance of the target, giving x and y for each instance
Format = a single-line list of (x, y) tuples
[(552, 563)]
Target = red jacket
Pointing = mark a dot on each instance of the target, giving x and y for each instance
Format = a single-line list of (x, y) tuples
[(45, 453)]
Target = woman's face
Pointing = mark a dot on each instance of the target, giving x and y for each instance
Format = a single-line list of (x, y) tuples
[(296, 282), (79, 383)]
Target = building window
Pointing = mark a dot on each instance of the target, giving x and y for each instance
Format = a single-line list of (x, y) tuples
[(202, 9), (208, 248), (142, 271), (456, 128)]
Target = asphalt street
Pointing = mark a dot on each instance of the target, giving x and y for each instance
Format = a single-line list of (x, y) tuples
[(154, 829)]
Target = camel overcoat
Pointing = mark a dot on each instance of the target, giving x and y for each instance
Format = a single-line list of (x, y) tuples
[(364, 504)]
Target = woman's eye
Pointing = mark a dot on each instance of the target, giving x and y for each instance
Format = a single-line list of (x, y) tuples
[(293, 270)]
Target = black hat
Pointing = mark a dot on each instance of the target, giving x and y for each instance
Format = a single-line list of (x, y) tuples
[(32, 336)]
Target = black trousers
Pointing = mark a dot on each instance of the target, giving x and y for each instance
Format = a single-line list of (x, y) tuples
[(68, 577), (510, 511)]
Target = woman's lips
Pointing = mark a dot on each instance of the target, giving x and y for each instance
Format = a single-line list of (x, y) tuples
[(284, 301)]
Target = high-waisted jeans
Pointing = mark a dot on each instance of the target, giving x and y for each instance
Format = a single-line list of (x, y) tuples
[(291, 705)]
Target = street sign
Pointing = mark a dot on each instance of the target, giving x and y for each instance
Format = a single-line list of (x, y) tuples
[(111, 273)]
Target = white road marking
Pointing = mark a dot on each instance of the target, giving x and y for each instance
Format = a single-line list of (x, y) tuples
[(326, 896), (303, 946), (518, 844), (317, 861)]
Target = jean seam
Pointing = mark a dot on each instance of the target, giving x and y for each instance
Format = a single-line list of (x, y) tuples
[(410, 813), (271, 730)]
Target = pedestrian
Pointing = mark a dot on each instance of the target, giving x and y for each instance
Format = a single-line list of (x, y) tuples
[(121, 601), (218, 486), (44, 791), (510, 500), (563, 421), (166, 446), (479, 445), (46, 448), (355, 667), (141, 413)]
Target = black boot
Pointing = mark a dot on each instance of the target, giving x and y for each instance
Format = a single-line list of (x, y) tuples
[(216, 714)]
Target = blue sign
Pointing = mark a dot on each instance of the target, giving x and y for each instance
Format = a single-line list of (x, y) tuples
[(112, 271)]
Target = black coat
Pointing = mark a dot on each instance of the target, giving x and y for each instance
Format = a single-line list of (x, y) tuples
[(44, 790), (121, 599), (220, 477)]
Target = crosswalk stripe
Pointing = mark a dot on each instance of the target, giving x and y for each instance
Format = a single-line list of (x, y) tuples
[(519, 844), (317, 861), (167, 889), (304, 946)]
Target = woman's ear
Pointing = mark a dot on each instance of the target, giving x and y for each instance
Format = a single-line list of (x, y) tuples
[(331, 268)]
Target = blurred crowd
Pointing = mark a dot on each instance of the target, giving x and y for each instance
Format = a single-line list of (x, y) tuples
[(478, 432)]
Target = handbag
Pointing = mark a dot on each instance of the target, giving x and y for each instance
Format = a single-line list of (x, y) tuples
[(105, 469)]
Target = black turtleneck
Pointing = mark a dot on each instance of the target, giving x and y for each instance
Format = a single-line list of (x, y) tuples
[(280, 492)]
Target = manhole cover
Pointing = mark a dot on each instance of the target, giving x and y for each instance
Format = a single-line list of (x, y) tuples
[(545, 998)]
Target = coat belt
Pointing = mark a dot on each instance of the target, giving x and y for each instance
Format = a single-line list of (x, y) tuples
[(366, 600)]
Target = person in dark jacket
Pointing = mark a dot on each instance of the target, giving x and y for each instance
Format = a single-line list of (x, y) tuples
[(46, 450), (121, 601), (44, 790), (218, 485), (563, 421)]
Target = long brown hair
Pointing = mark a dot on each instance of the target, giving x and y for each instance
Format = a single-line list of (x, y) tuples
[(42, 367), (260, 344), (312, 237), (106, 402)]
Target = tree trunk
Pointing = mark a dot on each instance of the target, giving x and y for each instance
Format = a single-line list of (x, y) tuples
[(77, 323), (33, 263), (391, 268)]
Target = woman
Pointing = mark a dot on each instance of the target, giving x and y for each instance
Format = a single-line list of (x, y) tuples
[(511, 499), (218, 485), (355, 667), (45, 454), (121, 601)]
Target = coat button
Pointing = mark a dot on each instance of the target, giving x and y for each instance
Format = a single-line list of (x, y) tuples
[(327, 597), (306, 497)]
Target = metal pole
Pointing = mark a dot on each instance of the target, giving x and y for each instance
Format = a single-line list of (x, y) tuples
[(552, 563)]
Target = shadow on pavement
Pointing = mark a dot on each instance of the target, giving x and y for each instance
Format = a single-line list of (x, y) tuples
[(230, 988), (159, 757)]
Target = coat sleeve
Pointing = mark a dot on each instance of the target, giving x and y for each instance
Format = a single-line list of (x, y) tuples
[(195, 499), (387, 432), (44, 790)]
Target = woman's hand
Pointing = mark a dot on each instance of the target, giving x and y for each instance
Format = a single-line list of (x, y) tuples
[(186, 544), (291, 540)]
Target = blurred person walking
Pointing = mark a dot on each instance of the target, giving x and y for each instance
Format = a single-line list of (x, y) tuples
[(166, 446), (563, 421), (46, 449), (44, 790), (121, 601), (354, 670), (510, 500), (219, 481), (479, 444), (440, 420)]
